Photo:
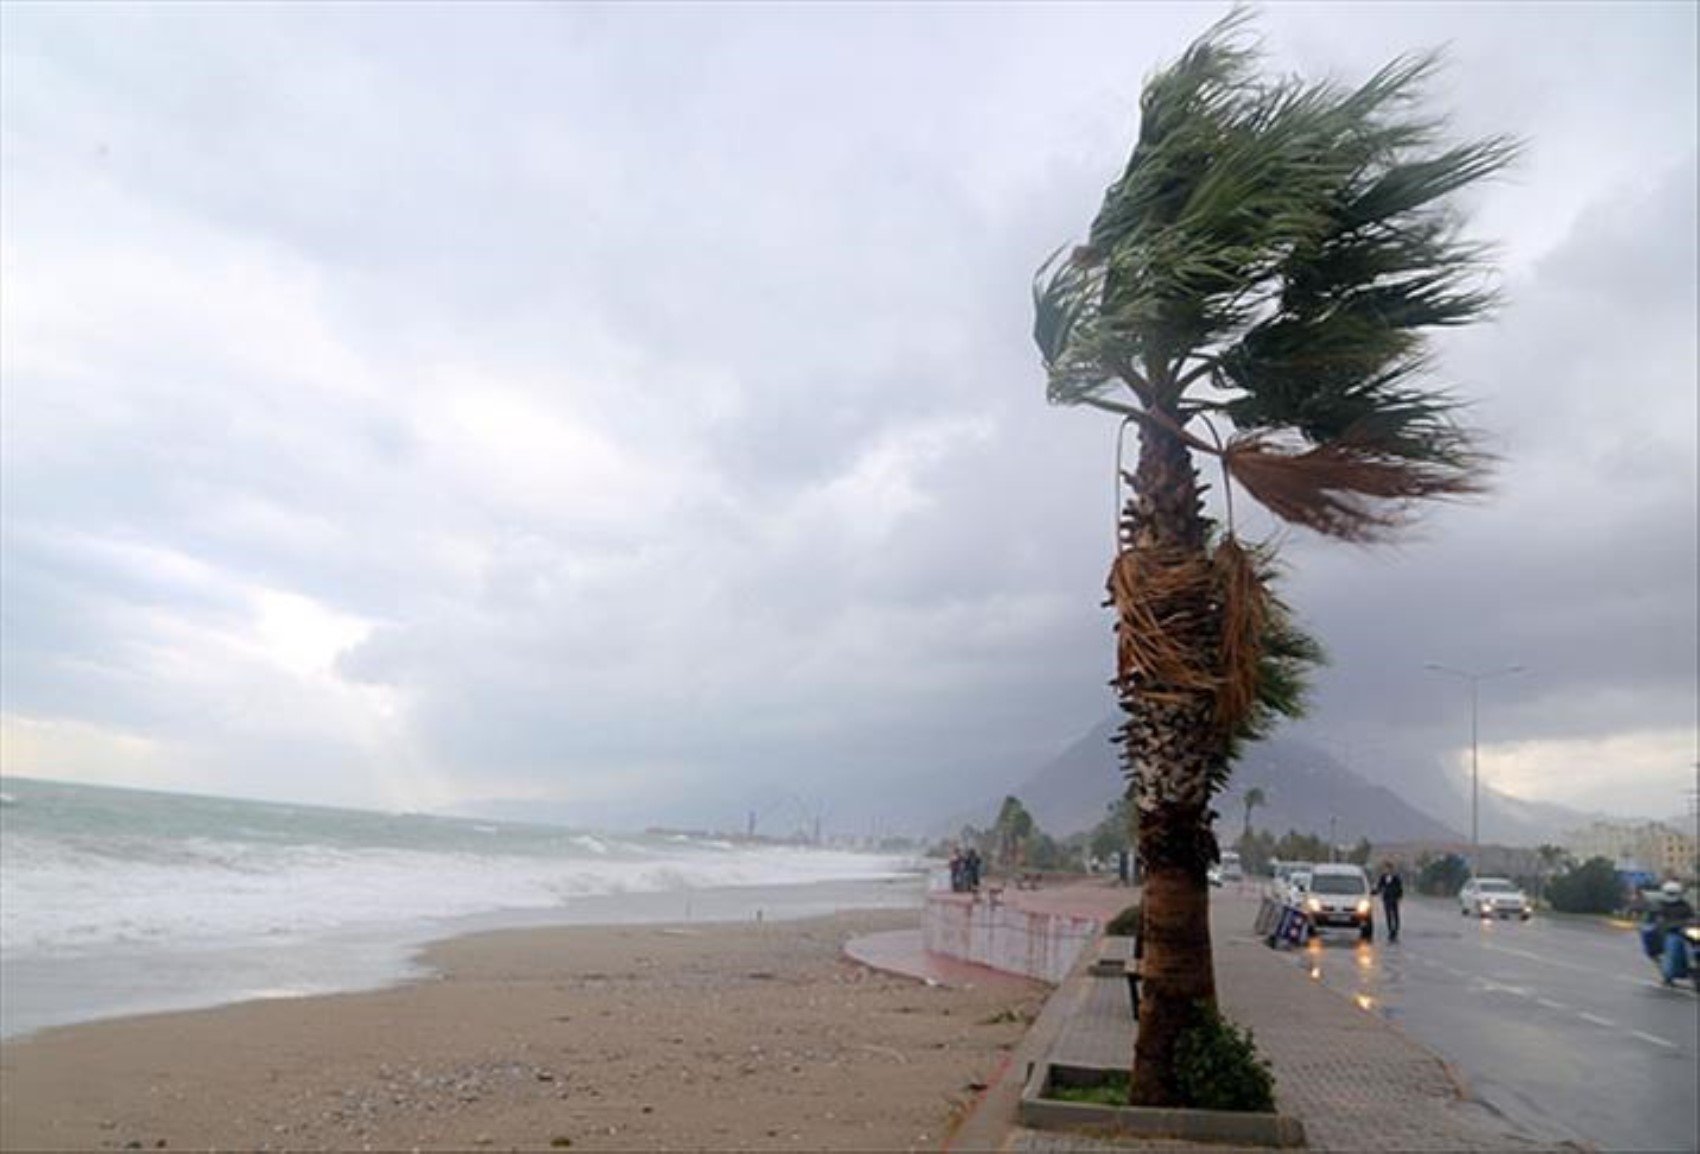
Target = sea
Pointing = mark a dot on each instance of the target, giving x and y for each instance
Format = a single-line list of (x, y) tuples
[(116, 901)]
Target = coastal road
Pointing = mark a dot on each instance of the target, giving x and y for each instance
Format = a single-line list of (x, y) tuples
[(1560, 1024)]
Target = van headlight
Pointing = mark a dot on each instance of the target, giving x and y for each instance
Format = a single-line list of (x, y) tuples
[(1363, 905), (1314, 905)]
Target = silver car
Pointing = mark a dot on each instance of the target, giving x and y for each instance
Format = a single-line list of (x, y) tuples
[(1493, 898)]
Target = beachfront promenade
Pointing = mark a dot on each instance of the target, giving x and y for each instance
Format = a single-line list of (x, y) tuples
[(1354, 1080)]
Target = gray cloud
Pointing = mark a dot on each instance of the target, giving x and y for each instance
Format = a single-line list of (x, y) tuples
[(636, 406)]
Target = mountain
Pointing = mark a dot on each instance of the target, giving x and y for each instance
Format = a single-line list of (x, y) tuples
[(1308, 789), (1070, 792), (1518, 821), (1442, 790), (1304, 786)]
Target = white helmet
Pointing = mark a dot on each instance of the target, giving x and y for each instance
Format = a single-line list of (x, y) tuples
[(1671, 889)]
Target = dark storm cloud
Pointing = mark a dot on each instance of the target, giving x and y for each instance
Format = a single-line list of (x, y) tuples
[(633, 404)]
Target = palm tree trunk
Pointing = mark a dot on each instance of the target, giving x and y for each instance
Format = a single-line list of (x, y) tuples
[(1169, 746)]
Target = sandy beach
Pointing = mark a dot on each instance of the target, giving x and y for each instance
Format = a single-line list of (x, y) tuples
[(716, 1037)]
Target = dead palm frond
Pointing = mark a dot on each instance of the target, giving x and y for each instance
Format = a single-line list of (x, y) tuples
[(1158, 629), (1350, 488)]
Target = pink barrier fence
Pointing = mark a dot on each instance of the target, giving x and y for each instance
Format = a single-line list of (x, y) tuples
[(1005, 937)]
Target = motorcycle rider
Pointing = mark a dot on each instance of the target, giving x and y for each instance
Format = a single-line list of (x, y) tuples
[(1666, 915), (1672, 910)]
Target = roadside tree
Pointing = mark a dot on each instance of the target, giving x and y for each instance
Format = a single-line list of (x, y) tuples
[(1011, 833), (1253, 798), (1112, 834), (1256, 850), (1590, 888), (1442, 875), (1256, 288), (1296, 846), (1552, 858)]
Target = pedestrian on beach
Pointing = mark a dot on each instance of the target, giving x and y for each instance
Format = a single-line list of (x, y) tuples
[(973, 867), (1391, 887)]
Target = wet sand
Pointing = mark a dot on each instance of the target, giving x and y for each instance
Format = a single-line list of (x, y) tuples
[(700, 1037)]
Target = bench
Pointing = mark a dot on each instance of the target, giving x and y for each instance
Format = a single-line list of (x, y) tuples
[(1117, 958)]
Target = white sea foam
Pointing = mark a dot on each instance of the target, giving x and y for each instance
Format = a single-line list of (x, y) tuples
[(57, 897), (118, 901)]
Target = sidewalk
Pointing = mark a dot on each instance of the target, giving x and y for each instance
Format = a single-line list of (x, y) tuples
[(1354, 1080)]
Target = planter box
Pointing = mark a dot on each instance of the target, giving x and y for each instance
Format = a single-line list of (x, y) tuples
[(1039, 1111)]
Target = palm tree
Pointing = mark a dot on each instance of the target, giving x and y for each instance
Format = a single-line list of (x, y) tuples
[(1013, 829), (1253, 798), (1552, 858), (1256, 288)]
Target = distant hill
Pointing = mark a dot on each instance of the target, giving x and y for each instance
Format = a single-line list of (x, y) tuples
[(1070, 792), (1514, 821), (1303, 784)]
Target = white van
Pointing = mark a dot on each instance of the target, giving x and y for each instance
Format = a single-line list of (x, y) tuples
[(1338, 895)]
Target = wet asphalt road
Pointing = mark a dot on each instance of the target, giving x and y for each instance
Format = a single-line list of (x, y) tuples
[(1560, 1024)]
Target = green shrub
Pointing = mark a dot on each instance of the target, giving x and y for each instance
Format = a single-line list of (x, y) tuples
[(1442, 876), (1590, 888), (1124, 924), (1112, 1091), (1217, 1067)]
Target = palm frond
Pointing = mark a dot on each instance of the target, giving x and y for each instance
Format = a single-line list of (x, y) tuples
[(1287, 656), (1244, 605), (1156, 651), (1292, 245), (1265, 660), (1352, 487)]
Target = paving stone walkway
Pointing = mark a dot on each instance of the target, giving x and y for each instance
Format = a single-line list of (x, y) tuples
[(1356, 1081)]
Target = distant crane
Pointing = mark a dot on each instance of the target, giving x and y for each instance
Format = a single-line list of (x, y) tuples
[(808, 820)]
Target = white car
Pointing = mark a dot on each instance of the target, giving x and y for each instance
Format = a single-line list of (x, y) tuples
[(1338, 895), (1493, 898)]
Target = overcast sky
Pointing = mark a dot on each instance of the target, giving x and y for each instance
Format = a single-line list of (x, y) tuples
[(633, 407)]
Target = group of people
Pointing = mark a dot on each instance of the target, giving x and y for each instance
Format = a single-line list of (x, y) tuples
[(965, 871)]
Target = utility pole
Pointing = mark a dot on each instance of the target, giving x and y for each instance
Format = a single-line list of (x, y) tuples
[(1474, 679)]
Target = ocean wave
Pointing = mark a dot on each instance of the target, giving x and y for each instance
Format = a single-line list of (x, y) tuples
[(68, 895)]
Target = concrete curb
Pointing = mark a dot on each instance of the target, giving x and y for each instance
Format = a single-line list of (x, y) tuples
[(987, 1124), (1039, 1112)]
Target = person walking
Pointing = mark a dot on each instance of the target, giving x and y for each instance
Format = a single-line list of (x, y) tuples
[(971, 867), (1391, 887)]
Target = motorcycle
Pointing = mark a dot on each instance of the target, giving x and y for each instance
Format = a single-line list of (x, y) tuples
[(1675, 949)]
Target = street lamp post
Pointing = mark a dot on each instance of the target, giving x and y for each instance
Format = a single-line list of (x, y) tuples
[(1474, 679)]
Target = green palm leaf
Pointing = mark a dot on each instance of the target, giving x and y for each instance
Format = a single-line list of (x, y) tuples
[(1279, 252)]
